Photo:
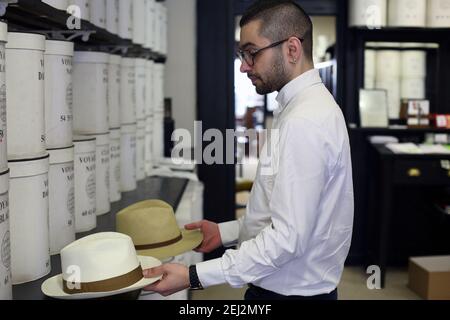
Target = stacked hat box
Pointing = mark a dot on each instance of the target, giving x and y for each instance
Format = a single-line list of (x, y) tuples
[(76, 130), (91, 115)]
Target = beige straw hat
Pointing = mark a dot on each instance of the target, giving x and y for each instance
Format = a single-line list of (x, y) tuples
[(153, 227)]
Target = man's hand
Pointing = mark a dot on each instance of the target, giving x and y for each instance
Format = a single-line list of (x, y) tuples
[(211, 235), (175, 278)]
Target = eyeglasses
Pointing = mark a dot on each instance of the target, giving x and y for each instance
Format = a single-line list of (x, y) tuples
[(249, 57)]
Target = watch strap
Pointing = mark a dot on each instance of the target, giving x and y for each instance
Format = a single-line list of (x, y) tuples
[(193, 279)]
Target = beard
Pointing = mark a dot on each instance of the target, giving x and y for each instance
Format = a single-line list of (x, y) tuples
[(276, 78)]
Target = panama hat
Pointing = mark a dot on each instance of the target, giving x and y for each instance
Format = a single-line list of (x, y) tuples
[(153, 227), (100, 265)]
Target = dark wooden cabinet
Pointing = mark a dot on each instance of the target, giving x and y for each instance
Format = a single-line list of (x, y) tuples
[(401, 217)]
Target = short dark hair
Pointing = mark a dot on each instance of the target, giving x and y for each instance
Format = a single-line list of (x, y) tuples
[(281, 19)]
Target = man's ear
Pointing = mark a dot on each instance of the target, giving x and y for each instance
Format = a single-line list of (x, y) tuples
[(295, 50)]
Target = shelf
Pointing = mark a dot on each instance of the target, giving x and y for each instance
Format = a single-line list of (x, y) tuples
[(36, 16), (403, 34), (405, 130), (169, 190)]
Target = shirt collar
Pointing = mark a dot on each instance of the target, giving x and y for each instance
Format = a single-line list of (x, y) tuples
[(296, 86)]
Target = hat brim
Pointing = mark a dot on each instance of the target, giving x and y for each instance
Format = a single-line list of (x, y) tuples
[(191, 240), (53, 287)]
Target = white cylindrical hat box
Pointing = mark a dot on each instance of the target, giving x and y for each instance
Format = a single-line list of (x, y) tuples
[(149, 89), (25, 95), (28, 195), (388, 63), (5, 265), (3, 126), (407, 13), (112, 16), (83, 7), (148, 145), (162, 10), (102, 156), (164, 30), (368, 13), (413, 88), (140, 151), (61, 199), (148, 24), (369, 82), (85, 184), (139, 16), (158, 82), (58, 94), (90, 92), (127, 95), (438, 13), (392, 85), (158, 113), (370, 63), (125, 19), (158, 137), (115, 193), (414, 63), (128, 158), (98, 12), (114, 91), (58, 4), (140, 87), (158, 28)]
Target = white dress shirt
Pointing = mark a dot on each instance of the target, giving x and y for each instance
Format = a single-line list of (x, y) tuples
[(296, 234)]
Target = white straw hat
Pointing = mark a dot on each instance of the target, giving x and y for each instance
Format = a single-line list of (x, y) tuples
[(100, 265)]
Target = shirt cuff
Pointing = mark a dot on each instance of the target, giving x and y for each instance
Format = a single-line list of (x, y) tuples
[(210, 273), (229, 233)]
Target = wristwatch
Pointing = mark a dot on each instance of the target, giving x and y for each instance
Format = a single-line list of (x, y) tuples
[(193, 279)]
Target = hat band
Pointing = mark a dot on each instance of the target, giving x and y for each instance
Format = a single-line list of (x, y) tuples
[(159, 244), (108, 285)]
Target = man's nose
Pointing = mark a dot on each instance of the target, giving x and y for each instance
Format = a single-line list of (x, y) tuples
[(245, 67)]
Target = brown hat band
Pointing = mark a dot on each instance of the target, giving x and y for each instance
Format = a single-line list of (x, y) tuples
[(108, 285), (159, 244)]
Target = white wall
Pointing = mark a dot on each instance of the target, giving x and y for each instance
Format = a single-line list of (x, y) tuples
[(181, 73)]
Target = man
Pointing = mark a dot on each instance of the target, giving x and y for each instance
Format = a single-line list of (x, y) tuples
[(296, 234)]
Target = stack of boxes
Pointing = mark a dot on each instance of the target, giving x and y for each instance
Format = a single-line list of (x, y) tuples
[(28, 158), (69, 115), (90, 74), (5, 268), (399, 13), (58, 128)]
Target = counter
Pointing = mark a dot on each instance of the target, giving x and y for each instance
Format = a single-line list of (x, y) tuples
[(167, 189)]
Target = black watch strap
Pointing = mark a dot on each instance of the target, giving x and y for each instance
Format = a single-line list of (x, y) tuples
[(193, 279)]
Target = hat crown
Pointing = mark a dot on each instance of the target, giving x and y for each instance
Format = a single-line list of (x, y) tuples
[(98, 257), (149, 223)]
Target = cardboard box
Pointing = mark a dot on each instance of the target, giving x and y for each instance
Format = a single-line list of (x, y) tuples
[(429, 277)]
